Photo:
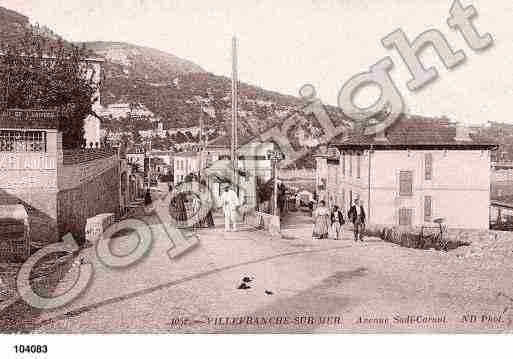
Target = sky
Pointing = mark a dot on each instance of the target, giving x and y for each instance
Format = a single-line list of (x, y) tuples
[(286, 44)]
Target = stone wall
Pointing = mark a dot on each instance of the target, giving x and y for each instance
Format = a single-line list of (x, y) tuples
[(41, 206), (30, 179), (260, 220), (451, 234), (473, 236), (98, 195)]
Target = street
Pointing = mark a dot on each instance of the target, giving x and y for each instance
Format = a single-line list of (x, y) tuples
[(296, 284)]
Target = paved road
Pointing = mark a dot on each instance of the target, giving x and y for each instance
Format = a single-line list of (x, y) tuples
[(298, 285)]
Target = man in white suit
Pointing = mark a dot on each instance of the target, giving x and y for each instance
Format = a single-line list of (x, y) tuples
[(230, 204)]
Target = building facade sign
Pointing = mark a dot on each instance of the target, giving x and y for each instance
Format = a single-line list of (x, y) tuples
[(26, 119)]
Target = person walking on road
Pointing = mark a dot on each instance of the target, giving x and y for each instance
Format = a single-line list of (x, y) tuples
[(321, 217), (178, 210), (203, 207), (230, 204), (147, 197), (337, 221), (357, 215)]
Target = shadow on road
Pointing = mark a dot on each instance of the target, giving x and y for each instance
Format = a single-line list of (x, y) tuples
[(317, 301), (11, 322)]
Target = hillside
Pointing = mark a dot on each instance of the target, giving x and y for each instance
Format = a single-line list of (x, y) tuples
[(502, 134), (14, 26), (181, 102), (141, 62), (177, 91)]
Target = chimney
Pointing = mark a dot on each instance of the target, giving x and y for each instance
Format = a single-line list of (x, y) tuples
[(462, 133)]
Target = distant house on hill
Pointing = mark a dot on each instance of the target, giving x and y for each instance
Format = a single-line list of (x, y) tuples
[(192, 130), (123, 110), (422, 170)]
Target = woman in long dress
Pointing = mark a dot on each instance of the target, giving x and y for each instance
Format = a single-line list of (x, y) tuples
[(178, 210), (202, 203), (321, 217), (208, 219)]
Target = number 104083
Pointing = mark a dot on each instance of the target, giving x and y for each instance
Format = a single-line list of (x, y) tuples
[(31, 349)]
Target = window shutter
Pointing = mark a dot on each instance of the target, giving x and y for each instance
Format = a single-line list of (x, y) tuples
[(428, 166), (343, 164), (427, 208), (351, 165), (405, 183), (358, 165), (405, 216)]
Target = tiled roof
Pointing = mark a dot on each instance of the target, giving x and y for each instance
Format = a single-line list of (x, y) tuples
[(222, 141), (73, 157), (414, 131)]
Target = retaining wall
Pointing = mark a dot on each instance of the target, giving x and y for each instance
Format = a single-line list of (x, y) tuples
[(264, 221), (98, 195)]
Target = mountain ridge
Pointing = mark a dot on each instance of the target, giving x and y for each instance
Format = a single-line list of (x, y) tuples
[(143, 62)]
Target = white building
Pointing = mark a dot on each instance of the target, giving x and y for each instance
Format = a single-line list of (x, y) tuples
[(166, 156), (193, 130), (92, 131), (424, 169), (252, 161), (92, 123), (136, 158), (185, 163), (122, 110)]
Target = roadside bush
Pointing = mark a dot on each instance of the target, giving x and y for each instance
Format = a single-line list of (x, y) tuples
[(412, 238)]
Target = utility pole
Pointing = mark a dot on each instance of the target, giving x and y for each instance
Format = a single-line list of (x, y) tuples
[(274, 156), (234, 140), (275, 204), (202, 148)]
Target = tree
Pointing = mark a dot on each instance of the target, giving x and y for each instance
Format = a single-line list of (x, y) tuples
[(36, 74), (180, 137), (136, 137)]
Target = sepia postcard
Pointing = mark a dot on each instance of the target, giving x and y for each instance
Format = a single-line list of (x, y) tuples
[(338, 166)]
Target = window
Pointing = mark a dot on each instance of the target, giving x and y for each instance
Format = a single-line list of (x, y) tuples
[(351, 165), (428, 213), (358, 165), (405, 216), (343, 164), (405, 183), (350, 198), (22, 141), (428, 166)]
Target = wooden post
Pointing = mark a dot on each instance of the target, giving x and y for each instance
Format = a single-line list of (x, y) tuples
[(234, 141)]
